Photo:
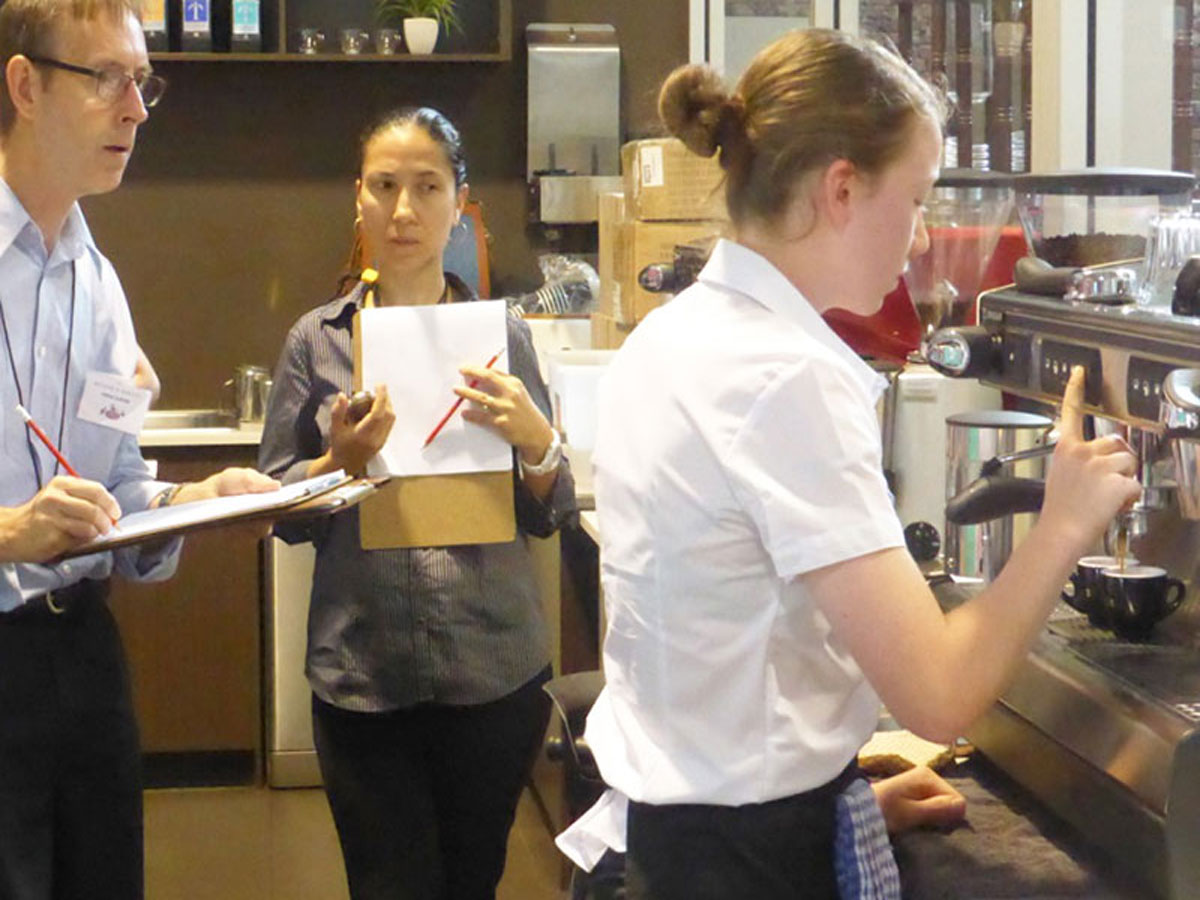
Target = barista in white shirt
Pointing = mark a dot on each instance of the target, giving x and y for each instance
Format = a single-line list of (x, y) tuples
[(760, 600)]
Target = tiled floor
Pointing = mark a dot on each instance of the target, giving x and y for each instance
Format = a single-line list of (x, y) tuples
[(262, 844)]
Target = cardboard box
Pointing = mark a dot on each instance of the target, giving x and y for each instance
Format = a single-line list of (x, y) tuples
[(607, 332), (639, 244), (664, 181), (610, 215)]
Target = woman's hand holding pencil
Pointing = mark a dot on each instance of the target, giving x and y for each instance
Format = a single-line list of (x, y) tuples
[(500, 401)]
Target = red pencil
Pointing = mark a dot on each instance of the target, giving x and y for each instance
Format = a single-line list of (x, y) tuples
[(45, 439), (457, 403)]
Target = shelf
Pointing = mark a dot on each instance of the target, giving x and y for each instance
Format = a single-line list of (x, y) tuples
[(173, 56), (486, 35)]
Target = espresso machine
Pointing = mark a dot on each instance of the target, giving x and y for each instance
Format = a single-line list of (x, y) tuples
[(1106, 731)]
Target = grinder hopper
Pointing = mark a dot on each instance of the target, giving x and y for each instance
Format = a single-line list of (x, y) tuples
[(964, 215)]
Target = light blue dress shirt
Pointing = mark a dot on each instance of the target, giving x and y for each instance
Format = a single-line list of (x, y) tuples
[(36, 295)]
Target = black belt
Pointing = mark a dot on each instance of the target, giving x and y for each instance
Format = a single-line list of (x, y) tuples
[(59, 605)]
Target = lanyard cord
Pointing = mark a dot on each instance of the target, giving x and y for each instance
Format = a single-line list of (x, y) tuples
[(370, 278), (12, 365)]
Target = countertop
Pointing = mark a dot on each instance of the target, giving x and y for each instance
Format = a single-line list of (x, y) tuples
[(201, 437), (589, 521), (242, 433)]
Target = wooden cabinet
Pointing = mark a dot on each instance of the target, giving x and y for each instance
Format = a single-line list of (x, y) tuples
[(486, 34), (194, 644)]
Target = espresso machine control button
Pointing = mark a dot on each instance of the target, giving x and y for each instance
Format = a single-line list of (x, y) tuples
[(1143, 386), (1059, 358)]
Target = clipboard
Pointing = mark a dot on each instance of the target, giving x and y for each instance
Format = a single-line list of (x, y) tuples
[(435, 510), (323, 495)]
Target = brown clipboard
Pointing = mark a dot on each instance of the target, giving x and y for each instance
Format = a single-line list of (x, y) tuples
[(435, 510)]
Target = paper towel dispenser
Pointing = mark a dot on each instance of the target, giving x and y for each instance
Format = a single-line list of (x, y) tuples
[(574, 117)]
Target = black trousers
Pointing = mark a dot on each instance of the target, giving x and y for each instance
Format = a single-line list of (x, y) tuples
[(423, 798), (781, 850), (70, 767)]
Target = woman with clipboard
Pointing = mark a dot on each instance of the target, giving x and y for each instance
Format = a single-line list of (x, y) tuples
[(426, 664)]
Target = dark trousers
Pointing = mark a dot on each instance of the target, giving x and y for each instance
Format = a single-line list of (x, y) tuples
[(781, 850), (423, 798), (70, 768)]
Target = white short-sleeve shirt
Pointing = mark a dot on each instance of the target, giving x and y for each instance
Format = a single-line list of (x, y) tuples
[(738, 447)]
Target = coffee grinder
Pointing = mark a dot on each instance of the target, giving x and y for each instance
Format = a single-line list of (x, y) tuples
[(971, 246)]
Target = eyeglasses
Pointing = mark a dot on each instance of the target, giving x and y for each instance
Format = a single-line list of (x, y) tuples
[(113, 81)]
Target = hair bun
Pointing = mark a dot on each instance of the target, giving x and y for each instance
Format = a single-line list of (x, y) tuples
[(696, 107)]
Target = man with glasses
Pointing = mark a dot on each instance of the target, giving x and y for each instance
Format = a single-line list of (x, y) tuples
[(77, 84)]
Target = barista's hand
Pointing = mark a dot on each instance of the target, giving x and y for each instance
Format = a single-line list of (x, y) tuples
[(500, 402), (227, 482), (65, 513), (1090, 481), (353, 444), (918, 797)]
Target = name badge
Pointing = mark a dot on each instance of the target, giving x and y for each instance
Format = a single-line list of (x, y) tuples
[(114, 402)]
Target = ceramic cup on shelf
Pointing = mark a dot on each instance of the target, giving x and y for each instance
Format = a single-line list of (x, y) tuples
[(311, 40), (353, 41), (387, 41)]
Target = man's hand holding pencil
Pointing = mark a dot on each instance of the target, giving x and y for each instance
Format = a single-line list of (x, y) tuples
[(67, 512)]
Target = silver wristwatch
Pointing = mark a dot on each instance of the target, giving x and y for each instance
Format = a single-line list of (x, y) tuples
[(549, 461)]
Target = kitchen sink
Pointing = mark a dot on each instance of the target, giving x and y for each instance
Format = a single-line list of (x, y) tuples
[(189, 418)]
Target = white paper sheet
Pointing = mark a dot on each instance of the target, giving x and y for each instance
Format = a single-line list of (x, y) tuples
[(417, 352), (150, 522)]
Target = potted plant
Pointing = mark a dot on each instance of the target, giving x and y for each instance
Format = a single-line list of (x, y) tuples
[(420, 20)]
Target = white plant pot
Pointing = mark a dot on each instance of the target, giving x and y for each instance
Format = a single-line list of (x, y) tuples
[(420, 35)]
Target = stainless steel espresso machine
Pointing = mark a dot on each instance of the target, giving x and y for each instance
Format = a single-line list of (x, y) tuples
[(1107, 731), (1104, 730)]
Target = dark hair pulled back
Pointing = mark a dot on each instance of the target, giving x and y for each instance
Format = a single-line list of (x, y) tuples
[(811, 97), (440, 129)]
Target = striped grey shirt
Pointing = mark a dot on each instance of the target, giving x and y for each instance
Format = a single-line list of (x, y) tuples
[(393, 628)]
